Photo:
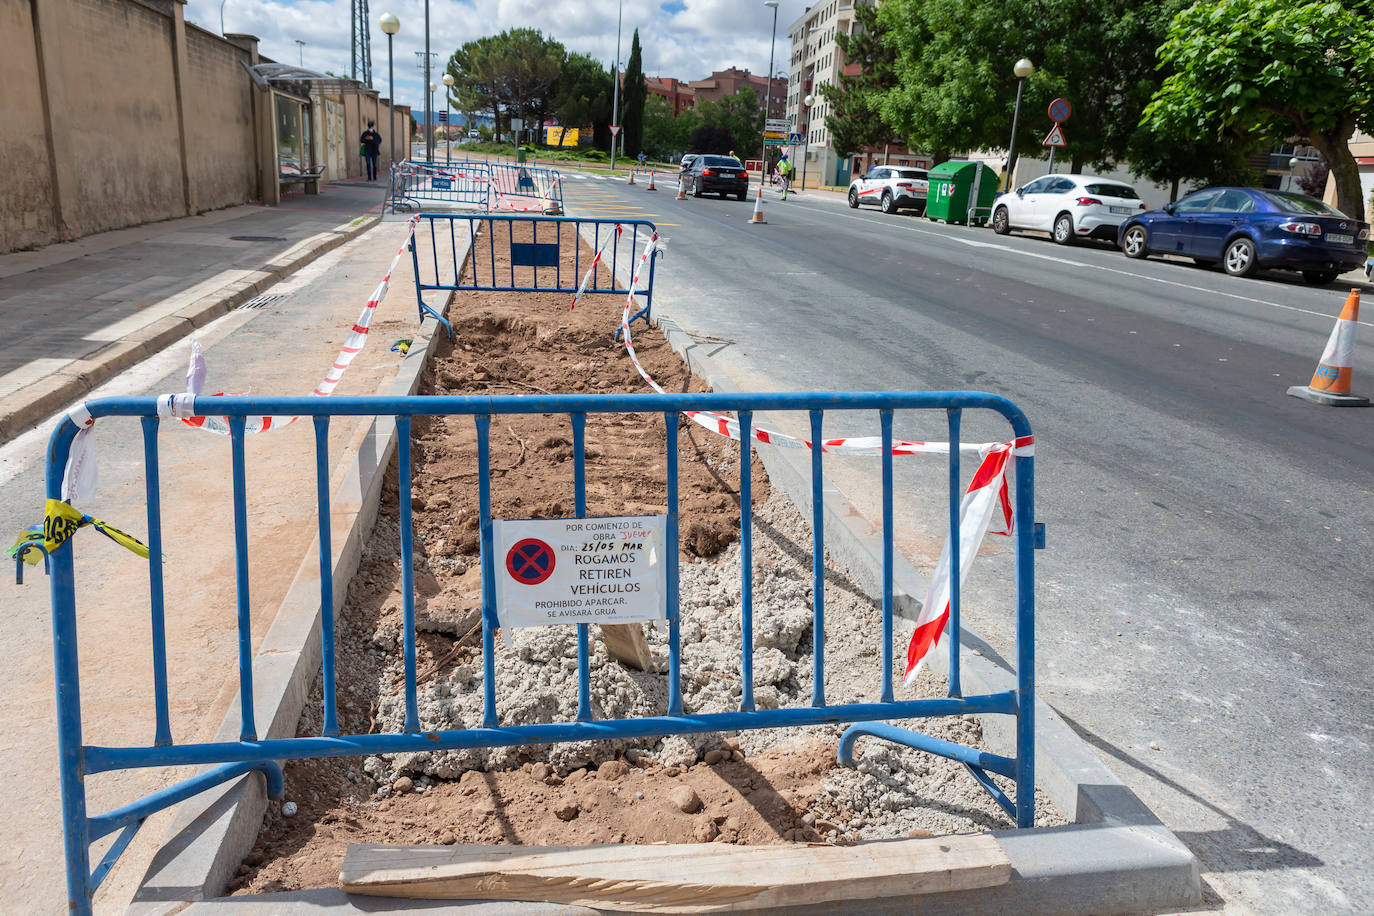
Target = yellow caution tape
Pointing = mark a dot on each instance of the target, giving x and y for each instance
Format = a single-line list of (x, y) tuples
[(60, 522)]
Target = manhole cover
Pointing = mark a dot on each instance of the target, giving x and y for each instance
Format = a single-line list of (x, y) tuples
[(255, 238)]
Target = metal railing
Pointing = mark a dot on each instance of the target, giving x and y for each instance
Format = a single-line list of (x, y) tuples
[(79, 761), (416, 184), (534, 249)]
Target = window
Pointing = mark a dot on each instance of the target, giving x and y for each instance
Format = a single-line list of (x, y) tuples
[(1039, 185), (1196, 202), (1061, 186), (1233, 201), (1123, 191), (1301, 204)]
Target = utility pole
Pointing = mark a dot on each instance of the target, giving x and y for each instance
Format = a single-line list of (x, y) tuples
[(615, 84)]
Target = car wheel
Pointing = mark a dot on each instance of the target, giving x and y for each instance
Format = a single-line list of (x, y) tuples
[(1136, 242), (696, 188), (1063, 229), (887, 204), (1240, 259), (1001, 222), (853, 199), (1319, 277)]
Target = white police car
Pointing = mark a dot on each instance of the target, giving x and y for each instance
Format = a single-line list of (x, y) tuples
[(891, 187)]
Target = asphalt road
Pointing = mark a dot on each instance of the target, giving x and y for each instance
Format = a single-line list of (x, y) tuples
[(1205, 597)]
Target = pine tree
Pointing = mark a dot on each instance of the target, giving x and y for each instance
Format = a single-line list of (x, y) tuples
[(633, 92)]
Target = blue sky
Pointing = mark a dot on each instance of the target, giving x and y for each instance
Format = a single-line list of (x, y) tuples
[(687, 39)]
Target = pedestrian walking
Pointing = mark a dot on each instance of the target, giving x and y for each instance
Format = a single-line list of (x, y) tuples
[(372, 148)]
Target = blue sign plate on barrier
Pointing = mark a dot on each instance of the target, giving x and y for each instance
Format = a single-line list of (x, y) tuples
[(441, 184)]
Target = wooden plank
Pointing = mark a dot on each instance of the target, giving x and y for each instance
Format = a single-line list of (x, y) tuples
[(686, 878), (626, 643)]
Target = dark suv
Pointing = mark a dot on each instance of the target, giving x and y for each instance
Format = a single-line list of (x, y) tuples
[(719, 175)]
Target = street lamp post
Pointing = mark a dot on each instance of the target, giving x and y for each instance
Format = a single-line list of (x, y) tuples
[(429, 99), (300, 53), (448, 122), (768, 106), (391, 25), (806, 137), (615, 83), (1022, 69)]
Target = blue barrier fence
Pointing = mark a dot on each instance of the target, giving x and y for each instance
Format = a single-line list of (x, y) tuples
[(536, 250), (228, 759), (416, 184)]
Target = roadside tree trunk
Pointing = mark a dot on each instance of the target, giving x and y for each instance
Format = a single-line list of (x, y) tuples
[(1334, 145)]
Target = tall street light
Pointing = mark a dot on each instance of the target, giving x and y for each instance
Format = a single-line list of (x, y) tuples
[(806, 136), (300, 53), (429, 99), (768, 107), (615, 83), (448, 122), (1022, 69), (390, 25)]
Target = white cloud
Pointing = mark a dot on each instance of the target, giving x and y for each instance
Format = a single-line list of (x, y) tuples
[(687, 39)]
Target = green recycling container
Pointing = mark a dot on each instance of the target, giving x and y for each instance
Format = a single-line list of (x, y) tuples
[(952, 187)]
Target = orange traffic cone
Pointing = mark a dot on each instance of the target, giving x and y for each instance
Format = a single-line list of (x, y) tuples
[(651, 181), (1330, 385), (758, 207), (630, 179), (681, 188)]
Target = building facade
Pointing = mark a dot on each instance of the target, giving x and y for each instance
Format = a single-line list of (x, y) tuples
[(679, 95), (731, 81), (816, 61)]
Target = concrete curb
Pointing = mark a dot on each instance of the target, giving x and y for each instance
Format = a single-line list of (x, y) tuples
[(32, 403), (211, 833), (1116, 856)]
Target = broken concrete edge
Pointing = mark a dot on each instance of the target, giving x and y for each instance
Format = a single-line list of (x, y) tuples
[(211, 833), (37, 401), (1149, 866)]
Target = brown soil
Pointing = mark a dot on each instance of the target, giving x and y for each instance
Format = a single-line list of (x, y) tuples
[(521, 343)]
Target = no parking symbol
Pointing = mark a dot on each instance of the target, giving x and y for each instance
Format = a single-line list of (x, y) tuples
[(530, 562)]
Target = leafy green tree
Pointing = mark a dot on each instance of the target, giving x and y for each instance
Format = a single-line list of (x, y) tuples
[(856, 118), (515, 73), (1276, 69), (955, 89), (633, 92), (665, 134), (475, 84), (740, 116), (712, 138), (583, 97)]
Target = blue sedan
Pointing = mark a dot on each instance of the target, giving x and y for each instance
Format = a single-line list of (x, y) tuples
[(1246, 229)]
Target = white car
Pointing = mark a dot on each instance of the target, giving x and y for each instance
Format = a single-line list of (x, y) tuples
[(892, 187), (1068, 207)]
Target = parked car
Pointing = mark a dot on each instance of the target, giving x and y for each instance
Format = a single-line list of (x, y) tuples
[(1369, 270), (1068, 207), (1249, 228), (719, 175), (891, 187)]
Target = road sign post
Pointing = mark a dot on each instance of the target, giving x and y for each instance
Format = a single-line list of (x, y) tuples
[(1060, 109)]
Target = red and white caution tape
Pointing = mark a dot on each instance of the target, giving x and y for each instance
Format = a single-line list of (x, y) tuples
[(587, 278), (987, 493)]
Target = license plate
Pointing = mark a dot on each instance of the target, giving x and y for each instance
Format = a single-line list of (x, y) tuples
[(1122, 210), (1336, 238)]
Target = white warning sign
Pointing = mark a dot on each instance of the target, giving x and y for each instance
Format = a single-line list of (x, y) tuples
[(580, 570)]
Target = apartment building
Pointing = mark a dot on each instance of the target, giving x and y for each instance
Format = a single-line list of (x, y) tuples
[(731, 81), (679, 95), (816, 60)]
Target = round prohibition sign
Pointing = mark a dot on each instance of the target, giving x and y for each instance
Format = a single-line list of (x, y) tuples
[(530, 561), (1060, 109)]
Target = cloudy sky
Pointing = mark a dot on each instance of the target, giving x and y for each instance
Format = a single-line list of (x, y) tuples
[(687, 39)]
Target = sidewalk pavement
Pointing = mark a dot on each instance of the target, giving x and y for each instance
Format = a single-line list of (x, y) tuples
[(283, 348), (78, 312)]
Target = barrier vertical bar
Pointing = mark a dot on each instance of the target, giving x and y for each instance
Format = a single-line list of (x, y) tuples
[(472, 250), (1025, 640), (491, 243), (247, 730), (746, 559), (331, 717), (162, 733), (885, 419), (412, 723), (489, 621), (434, 249), (955, 500), (67, 686), (453, 249), (534, 240), (817, 565), (510, 246), (584, 687), (649, 293), (670, 421)]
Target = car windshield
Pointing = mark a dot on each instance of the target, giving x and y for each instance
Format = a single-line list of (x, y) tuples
[(1124, 191), (1301, 204), (728, 162), (911, 173)]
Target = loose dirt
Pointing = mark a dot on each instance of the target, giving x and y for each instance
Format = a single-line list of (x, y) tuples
[(756, 787)]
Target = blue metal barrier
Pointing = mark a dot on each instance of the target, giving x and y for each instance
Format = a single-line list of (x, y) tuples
[(527, 188), (79, 760), (415, 184), (535, 247)]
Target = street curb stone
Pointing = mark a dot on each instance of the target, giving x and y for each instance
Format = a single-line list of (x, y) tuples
[(32, 403)]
